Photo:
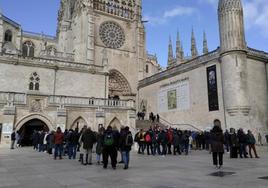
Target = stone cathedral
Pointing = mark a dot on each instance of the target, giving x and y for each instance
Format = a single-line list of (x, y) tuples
[(228, 83), (96, 72), (86, 75)]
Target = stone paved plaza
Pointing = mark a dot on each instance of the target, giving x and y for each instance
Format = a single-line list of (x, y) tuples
[(26, 168)]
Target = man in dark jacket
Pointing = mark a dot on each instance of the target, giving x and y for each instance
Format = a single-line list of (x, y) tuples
[(109, 147), (125, 144), (233, 140), (88, 139), (72, 142), (242, 140)]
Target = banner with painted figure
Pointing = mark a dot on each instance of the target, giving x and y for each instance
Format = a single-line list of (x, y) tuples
[(213, 102), (172, 99), (174, 95)]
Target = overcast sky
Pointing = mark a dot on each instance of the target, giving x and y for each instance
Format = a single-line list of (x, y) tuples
[(165, 17)]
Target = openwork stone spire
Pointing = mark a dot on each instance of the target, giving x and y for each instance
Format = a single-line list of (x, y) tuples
[(231, 25), (205, 43), (179, 57), (170, 53), (193, 45)]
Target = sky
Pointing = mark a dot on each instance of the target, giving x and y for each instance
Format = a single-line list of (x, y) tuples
[(165, 18)]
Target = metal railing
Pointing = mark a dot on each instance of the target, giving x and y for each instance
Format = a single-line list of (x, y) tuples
[(168, 124)]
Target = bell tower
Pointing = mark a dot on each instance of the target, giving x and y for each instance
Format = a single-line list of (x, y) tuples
[(233, 63)]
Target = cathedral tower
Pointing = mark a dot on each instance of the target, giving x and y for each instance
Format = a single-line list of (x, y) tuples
[(233, 63)]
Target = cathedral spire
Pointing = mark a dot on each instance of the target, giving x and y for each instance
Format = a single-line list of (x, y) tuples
[(193, 45), (205, 43), (179, 57), (170, 53), (231, 25)]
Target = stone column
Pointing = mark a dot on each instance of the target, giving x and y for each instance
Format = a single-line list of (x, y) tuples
[(1, 32), (61, 118), (100, 118)]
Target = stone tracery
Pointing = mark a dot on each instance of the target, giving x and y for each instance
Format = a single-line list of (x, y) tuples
[(118, 85), (112, 35)]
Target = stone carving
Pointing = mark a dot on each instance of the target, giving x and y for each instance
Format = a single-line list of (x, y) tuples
[(118, 85), (112, 35), (35, 106)]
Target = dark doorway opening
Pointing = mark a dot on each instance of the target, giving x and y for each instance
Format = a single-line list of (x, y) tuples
[(27, 130), (0, 131)]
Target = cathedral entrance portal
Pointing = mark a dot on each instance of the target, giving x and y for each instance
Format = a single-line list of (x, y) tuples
[(118, 85), (27, 130)]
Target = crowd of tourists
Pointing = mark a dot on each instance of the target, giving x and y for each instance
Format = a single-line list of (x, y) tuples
[(158, 141), (109, 142), (154, 141)]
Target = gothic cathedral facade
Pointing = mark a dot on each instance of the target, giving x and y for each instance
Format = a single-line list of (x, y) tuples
[(86, 75)]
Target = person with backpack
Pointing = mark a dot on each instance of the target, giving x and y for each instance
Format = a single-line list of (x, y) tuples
[(148, 141), (88, 139), (125, 144), (109, 147), (72, 143)]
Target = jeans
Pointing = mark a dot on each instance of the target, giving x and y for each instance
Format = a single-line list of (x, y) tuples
[(126, 157), (58, 150), (72, 151), (98, 157), (243, 150)]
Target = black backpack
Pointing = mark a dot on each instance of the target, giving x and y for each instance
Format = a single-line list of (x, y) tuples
[(129, 139)]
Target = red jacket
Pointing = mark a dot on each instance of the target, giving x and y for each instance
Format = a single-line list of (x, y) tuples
[(58, 137)]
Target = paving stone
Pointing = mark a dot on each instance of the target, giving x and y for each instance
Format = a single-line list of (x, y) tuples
[(26, 168)]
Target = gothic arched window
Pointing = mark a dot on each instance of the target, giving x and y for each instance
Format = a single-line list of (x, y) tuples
[(8, 36), (28, 49), (34, 82)]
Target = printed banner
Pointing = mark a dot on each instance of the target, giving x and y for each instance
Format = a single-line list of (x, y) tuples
[(213, 102)]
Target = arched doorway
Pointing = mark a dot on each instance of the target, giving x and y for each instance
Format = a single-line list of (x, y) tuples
[(27, 129), (118, 85), (79, 123), (115, 124)]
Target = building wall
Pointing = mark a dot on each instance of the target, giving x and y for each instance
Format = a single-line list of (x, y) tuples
[(15, 78), (258, 96), (198, 114)]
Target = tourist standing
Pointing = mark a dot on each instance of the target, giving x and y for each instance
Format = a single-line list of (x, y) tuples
[(234, 145), (251, 144), (88, 139), (217, 141), (227, 140), (125, 144), (58, 139), (50, 142), (99, 146), (13, 139), (109, 148), (242, 140)]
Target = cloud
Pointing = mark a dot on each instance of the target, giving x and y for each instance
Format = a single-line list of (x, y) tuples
[(169, 14), (256, 15), (179, 11)]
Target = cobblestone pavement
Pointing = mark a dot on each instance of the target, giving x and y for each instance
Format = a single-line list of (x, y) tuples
[(26, 168)]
